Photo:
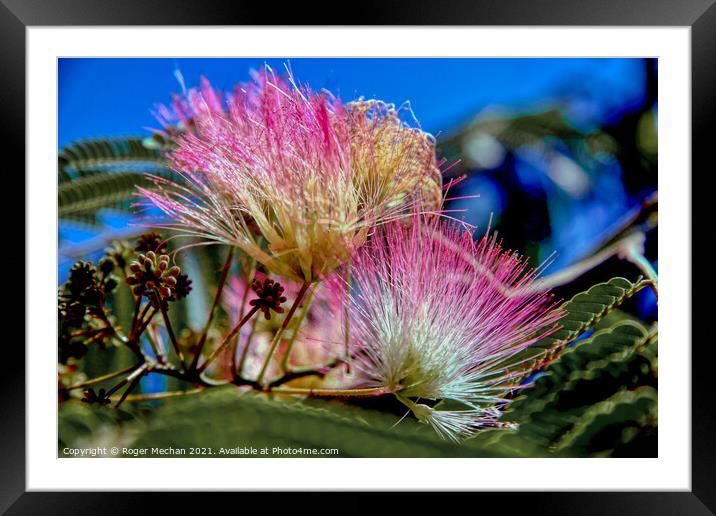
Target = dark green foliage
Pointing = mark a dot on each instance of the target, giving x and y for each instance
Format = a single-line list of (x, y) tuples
[(79, 424), (599, 396), (621, 419), (223, 417)]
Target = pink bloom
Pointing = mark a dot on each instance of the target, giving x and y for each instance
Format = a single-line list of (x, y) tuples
[(294, 178), (435, 315)]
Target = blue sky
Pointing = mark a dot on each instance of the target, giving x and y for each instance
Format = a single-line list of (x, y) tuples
[(114, 97)]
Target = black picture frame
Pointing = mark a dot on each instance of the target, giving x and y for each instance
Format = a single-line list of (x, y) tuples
[(700, 15)]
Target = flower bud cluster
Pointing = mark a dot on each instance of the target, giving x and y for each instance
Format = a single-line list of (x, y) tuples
[(270, 296), (151, 274)]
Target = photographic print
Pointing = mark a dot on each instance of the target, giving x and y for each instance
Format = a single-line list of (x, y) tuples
[(357, 257)]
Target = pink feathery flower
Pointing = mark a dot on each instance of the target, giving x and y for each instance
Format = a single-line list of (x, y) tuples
[(294, 178), (437, 316)]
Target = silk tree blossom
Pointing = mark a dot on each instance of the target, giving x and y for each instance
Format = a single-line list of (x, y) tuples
[(437, 316), (294, 178), (393, 158)]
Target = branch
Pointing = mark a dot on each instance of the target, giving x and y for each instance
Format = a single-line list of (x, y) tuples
[(220, 288), (284, 325), (356, 393), (621, 248), (228, 338), (100, 379), (159, 395), (168, 325)]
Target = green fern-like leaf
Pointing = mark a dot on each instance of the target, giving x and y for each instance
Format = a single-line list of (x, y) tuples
[(620, 356), (87, 194), (609, 357), (96, 174), (586, 309), (620, 418), (102, 153), (613, 360)]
